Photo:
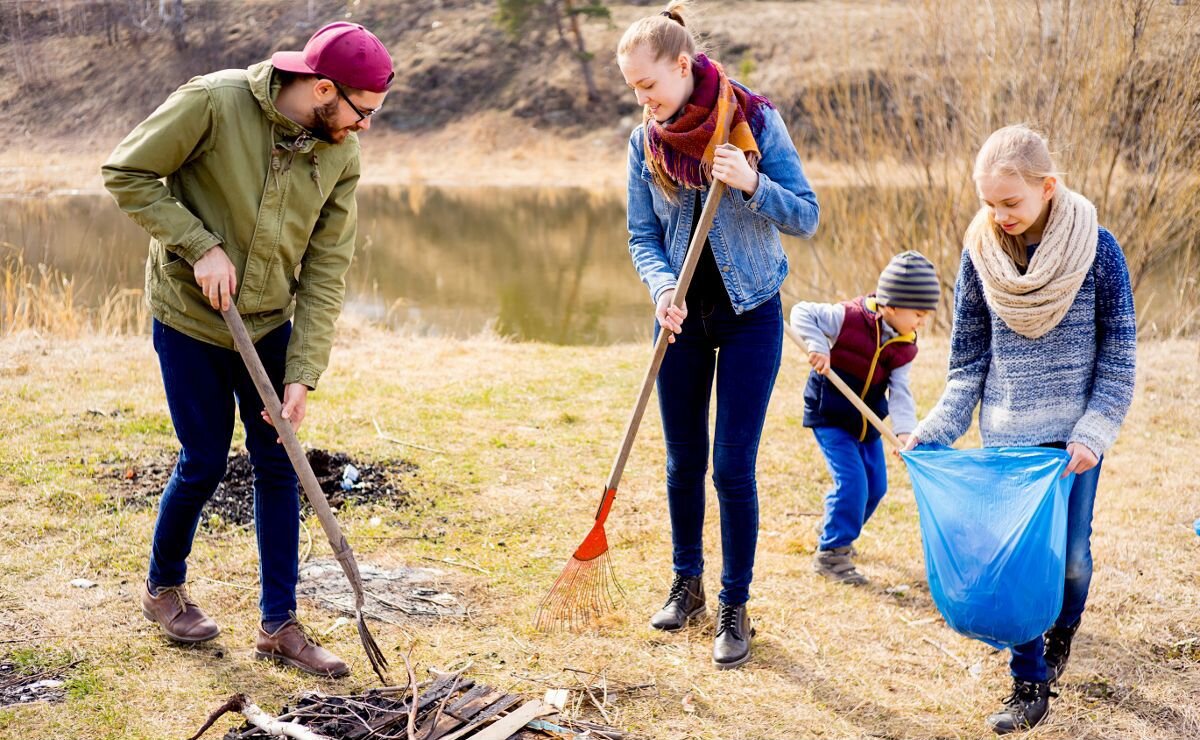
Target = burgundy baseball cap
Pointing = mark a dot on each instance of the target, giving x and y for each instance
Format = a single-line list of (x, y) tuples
[(345, 53)]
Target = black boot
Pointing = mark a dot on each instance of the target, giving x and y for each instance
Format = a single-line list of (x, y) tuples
[(1058, 649), (684, 603), (1024, 708), (731, 648)]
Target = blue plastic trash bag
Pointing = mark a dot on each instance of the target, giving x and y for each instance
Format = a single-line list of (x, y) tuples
[(994, 533)]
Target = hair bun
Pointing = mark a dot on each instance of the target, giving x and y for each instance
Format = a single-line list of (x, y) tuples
[(674, 15)]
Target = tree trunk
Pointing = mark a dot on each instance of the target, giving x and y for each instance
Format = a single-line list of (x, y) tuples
[(585, 59), (175, 23)]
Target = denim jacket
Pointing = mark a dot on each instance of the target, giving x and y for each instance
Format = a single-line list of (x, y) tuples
[(745, 231)]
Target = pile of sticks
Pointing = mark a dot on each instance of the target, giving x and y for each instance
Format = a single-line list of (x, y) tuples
[(450, 707)]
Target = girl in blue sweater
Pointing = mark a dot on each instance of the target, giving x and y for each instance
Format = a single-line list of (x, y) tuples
[(1044, 343)]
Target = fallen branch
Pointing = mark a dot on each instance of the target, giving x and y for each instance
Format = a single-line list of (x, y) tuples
[(962, 663), (260, 719), (379, 433), (459, 563)]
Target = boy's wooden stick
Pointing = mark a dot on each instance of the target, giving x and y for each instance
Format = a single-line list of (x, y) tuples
[(850, 395)]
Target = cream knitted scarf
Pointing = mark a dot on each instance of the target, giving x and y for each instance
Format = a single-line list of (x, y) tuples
[(1034, 303)]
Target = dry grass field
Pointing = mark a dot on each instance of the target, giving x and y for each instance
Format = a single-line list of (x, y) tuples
[(525, 434)]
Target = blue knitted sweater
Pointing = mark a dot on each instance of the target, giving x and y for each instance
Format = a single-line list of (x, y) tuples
[(1073, 384)]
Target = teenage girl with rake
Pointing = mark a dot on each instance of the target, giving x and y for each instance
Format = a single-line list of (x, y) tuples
[(731, 325)]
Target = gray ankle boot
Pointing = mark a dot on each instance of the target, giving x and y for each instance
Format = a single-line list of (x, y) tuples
[(838, 565)]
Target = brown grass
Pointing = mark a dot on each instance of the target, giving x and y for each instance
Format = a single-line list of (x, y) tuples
[(529, 431), (43, 300)]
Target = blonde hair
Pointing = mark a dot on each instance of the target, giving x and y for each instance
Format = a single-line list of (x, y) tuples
[(1018, 151), (665, 33)]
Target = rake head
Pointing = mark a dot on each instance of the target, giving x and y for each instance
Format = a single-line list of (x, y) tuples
[(374, 654), (587, 587)]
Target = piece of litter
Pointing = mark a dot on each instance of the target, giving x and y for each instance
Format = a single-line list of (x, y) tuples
[(82, 583), (688, 706), (556, 698), (349, 477), (337, 624), (898, 589), (549, 727), (376, 521), (49, 683)]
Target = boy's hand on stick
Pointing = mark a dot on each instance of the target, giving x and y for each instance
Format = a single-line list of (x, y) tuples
[(819, 362)]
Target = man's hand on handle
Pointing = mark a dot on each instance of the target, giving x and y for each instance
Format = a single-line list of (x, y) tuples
[(295, 405), (217, 277)]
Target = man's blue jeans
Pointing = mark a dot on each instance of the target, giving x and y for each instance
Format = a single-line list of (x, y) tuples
[(859, 471), (743, 352), (1028, 661), (203, 382)]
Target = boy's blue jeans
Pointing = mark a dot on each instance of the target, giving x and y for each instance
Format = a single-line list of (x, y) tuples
[(1028, 661), (743, 352), (859, 472), (203, 382)]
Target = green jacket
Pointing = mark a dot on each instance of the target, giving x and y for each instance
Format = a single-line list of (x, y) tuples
[(238, 173)]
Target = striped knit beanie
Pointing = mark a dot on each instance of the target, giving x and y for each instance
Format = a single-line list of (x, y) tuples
[(909, 281)]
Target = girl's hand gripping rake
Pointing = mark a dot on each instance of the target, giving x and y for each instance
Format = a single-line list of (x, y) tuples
[(585, 588), (308, 481)]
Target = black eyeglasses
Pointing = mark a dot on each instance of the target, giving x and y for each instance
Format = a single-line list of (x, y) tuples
[(362, 115)]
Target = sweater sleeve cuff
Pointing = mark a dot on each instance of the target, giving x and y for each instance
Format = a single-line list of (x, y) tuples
[(1095, 432)]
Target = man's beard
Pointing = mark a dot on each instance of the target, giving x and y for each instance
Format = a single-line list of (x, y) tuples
[(323, 118)]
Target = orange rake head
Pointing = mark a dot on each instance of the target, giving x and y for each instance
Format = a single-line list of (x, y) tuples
[(587, 587)]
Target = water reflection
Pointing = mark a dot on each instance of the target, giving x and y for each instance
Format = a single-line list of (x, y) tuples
[(532, 264)]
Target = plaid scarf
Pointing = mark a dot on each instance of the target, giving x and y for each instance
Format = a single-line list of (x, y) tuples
[(680, 153)]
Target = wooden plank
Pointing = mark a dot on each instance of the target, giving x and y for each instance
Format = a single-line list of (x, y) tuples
[(512, 722), (462, 715), (437, 691), (485, 716), (468, 699)]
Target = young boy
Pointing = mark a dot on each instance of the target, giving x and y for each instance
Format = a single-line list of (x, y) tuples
[(869, 342)]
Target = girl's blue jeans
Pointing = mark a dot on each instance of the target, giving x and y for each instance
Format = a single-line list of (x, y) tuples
[(1028, 661), (742, 353)]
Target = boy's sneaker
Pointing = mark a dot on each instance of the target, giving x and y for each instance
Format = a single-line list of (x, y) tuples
[(1058, 649), (1028, 705), (838, 565)]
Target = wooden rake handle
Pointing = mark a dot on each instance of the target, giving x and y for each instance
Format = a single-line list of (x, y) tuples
[(850, 395), (692, 258), (308, 479)]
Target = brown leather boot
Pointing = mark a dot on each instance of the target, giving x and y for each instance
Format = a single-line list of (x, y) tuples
[(178, 616), (292, 645)]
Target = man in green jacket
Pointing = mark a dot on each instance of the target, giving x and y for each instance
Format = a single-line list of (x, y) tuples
[(245, 180)]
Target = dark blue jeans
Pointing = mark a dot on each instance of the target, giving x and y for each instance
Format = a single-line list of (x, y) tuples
[(859, 471), (203, 382), (743, 352), (1028, 661)]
